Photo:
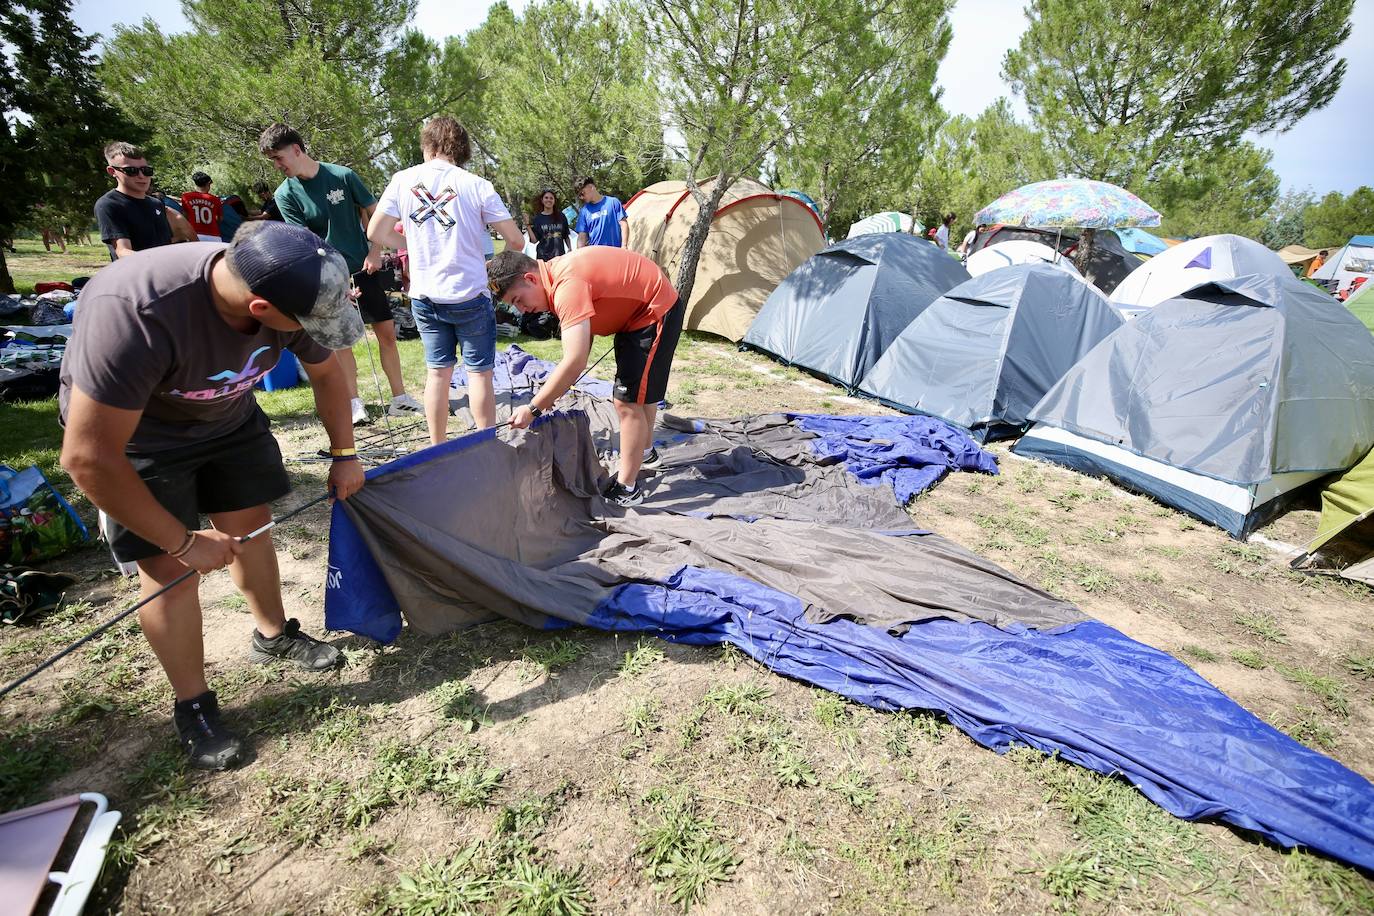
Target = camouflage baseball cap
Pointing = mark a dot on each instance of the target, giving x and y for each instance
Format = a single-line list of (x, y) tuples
[(303, 276)]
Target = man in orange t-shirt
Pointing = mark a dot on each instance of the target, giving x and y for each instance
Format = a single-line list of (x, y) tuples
[(596, 292)]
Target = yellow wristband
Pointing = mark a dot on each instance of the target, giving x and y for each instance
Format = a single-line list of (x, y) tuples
[(342, 452)]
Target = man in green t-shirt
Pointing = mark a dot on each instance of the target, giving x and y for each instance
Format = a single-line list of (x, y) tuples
[(332, 202)]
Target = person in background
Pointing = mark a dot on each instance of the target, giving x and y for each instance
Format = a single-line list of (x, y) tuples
[(942, 233), (446, 211), (332, 202), (270, 210), (1317, 263), (131, 219), (202, 209), (548, 228), (235, 214), (966, 246), (602, 220)]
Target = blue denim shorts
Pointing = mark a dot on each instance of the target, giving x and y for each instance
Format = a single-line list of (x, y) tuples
[(443, 327)]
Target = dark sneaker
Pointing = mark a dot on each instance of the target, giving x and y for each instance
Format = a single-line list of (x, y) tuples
[(652, 460), (206, 740), (294, 646), (620, 495)]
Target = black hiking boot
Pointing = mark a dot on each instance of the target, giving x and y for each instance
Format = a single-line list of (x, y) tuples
[(617, 494), (206, 740), (294, 646)]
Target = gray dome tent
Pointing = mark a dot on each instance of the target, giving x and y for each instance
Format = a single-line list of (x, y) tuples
[(1221, 402), (984, 353), (837, 312)]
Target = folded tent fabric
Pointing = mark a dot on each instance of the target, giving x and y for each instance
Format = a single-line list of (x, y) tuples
[(1035, 672)]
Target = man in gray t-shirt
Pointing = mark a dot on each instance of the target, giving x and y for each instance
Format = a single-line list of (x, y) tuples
[(162, 427)]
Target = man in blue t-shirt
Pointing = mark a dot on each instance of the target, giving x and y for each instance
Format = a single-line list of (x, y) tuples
[(602, 220)]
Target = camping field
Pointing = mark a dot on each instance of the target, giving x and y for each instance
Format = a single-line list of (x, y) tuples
[(507, 770)]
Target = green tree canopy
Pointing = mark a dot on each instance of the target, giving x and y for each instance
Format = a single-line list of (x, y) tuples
[(870, 108), (1228, 191), (1126, 88), (744, 78), (973, 161), (347, 74), (1283, 223), (54, 120), (573, 98), (1331, 222)]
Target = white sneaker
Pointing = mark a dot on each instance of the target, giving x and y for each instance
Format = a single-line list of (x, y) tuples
[(359, 411), (403, 405)]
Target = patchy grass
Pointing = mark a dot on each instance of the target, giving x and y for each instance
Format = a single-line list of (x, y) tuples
[(1326, 689), (640, 660), (1198, 653), (553, 655), (681, 850), (1305, 724), (501, 770), (1360, 665), (1261, 625), (1121, 838)]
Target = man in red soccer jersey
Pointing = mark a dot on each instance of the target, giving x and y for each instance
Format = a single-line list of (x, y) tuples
[(203, 209)]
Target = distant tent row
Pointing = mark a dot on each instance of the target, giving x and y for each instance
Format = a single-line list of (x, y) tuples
[(983, 354), (1236, 385), (1016, 251), (1108, 263)]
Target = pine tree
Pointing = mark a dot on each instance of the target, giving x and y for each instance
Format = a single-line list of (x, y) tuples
[(56, 118)]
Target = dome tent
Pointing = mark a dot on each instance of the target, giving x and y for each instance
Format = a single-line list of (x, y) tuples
[(1221, 402), (756, 238), (1188, 264), (837, 313), (1016, 251), (984, 353), (887, 221)]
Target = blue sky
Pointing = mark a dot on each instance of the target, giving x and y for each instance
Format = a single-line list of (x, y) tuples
[(1330, 150)]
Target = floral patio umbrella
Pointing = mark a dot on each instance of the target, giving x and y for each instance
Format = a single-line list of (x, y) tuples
[(1069, 203)]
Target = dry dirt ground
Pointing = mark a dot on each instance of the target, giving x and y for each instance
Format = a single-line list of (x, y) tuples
[(506, 770)]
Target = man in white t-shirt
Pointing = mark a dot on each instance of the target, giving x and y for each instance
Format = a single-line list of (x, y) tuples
[(445, 211)]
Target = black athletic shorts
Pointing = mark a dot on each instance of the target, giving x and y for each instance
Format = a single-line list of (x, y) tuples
[(643, 358), (236, 471), (372, 301)]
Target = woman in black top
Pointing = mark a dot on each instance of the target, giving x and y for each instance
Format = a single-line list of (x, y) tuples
[(548, 228)]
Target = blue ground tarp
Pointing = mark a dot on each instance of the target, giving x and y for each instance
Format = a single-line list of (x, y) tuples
[(1084, 690)]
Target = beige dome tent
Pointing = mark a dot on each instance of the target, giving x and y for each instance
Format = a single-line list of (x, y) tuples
[(757, 237)]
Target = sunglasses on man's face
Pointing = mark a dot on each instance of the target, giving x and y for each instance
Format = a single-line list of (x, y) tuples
[(132, 170)]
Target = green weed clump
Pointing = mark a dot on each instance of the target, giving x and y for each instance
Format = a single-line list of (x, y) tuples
[(681, 850)]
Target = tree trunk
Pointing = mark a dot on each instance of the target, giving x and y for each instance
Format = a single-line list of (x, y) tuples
[(6, 281), (696, 240)]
